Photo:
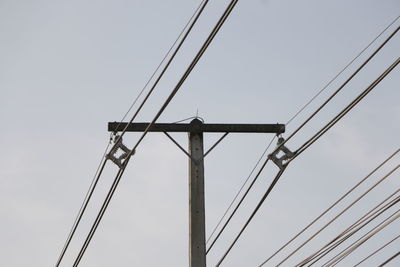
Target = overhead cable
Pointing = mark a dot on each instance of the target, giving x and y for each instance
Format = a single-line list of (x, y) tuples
[(276, 179), (351, 230), (84, 205), (100, 214), (345, 110), (204, 47), (241, 199), (298, 129), (376, 251), (310, 142), (339, 89), (340, 214), (370, 234), (100, 169), (331, 207), (196, 59), (360, 241), (390, 259), (341, 71), (199, 11), (200, 6)]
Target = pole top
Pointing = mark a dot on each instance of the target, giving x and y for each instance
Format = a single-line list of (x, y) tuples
[(196, 126)]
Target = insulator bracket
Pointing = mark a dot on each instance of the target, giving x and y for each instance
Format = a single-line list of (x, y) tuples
[(119, 147), (281, 161)]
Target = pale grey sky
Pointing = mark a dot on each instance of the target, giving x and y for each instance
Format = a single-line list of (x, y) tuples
[(69, 67)]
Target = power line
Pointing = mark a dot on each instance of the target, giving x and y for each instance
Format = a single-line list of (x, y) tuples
[(337, 118), (101, 213), (157, 116), (203, 5), (390, 259), (337, 216), (370, 234), (356, 244), (346, 109), (83, 206), (252, 214), (310, 142), (331, 207), (340, 88), (341, 71), (100, 169), (237, 195), (205, 45), (163, 60), (376, 251), (189, 69), (352, 229)]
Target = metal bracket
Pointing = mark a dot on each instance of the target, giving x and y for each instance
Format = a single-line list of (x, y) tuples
[(287, 154), (216, 143), (178, 145), (119, 146)]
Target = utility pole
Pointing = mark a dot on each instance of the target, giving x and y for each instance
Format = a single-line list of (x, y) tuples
[(195, 130), (197, 228)]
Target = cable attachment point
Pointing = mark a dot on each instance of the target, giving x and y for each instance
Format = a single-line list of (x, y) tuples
[(281, 161), (119, 153)]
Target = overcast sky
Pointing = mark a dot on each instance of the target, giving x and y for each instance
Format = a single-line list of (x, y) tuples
[(67, 68)]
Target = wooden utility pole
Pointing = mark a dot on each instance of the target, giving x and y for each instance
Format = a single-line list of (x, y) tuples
[(195, 129)]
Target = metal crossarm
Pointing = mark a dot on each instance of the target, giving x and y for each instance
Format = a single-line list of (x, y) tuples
[(195, 129), (198, 127)]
